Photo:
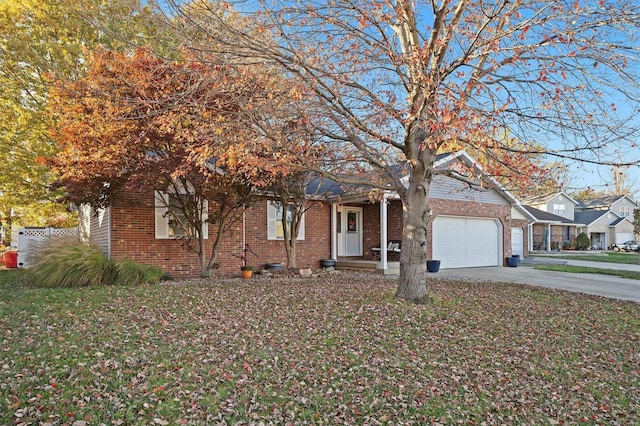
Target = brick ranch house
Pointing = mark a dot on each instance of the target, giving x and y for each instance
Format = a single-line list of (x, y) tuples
[(469, 227)]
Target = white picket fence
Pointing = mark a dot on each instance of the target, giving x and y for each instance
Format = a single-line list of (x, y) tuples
[(30, 237)]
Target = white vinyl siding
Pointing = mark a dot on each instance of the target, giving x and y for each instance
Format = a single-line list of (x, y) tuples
[(274, 221), (454, 190), (95, 226)]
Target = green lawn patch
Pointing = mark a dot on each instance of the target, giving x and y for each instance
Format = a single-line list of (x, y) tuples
[(609, 257), (633, 275), (333, 349)]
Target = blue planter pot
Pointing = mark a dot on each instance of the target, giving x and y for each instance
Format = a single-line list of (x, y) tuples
[(433, 265), (513, 261)]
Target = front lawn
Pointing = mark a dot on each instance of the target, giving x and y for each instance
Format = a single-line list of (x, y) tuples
[(610, 257), (632, 275), (335, 349)]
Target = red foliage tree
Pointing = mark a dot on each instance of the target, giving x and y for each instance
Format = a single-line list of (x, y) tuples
[(141, 123)]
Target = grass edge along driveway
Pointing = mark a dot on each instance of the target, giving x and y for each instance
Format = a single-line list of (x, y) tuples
[(606, 257), (334, 349)]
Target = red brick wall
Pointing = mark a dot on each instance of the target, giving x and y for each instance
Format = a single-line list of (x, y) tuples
[(133, 236), (371, 225)]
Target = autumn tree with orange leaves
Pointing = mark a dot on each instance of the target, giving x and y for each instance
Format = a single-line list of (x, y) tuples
[(141, 123), (399, 80)]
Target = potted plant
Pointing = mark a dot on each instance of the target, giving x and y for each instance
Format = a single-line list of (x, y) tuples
[(247, 270)]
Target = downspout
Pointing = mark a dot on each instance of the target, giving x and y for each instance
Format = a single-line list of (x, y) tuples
[(383, 233)]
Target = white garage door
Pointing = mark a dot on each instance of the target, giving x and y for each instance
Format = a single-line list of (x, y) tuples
[(461, 242), (621, 237)]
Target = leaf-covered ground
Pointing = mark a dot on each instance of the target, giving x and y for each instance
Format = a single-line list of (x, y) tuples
[(334, 349)]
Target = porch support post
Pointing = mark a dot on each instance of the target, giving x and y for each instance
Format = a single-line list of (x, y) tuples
[(334, 231), (549, 237), (383, 233)]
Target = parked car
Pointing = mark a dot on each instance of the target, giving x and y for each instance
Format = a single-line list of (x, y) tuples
[(631, 245)]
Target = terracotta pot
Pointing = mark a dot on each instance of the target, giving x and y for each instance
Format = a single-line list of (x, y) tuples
[(247, 273)]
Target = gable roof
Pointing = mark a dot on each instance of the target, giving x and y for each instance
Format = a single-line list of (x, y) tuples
[(590, 216), (602, 202), (546, 217), (332, 189), (619, 221), (544, 198)]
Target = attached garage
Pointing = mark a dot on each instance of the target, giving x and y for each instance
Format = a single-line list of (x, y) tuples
[(462, 242), (621, 237)]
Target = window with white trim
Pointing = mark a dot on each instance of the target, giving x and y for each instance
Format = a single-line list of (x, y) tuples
[(625, 211), (274, 221), (559, 209), (170, 219)]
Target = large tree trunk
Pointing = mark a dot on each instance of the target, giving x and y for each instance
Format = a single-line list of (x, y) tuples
[(201, 254), (412, 285), (213, 264)]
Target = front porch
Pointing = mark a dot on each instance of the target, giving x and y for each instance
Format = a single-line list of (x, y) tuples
[(374, 266)]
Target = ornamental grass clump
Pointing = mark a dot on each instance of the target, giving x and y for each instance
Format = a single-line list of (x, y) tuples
[(129, 272), (68, 262)]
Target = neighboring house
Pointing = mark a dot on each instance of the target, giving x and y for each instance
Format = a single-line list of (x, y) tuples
[(619, 228), (549, 231), (469, 227), (560, 218), (605, 228), (554, 222), (622, 205)]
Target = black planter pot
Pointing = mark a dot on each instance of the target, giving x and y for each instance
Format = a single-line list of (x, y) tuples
[(273, 266), (433, 265), (327, 263)]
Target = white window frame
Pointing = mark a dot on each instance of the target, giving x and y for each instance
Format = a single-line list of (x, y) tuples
[(559, 209), (625, 211), (162, 228), (274, 223)]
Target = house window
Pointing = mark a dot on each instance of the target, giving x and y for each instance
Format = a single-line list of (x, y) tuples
[(559, 209), (274, 221), (171, 221), (177, 220), (625, 211)]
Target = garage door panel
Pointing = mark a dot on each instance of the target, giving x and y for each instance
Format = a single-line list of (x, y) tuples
[(460, 242)]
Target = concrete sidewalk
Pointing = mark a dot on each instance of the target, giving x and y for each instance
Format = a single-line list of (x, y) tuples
[(599, 285)]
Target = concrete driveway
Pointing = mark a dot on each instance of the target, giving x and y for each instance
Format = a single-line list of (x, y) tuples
[(600, 285)]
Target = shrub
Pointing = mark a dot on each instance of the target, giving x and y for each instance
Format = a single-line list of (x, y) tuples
[(129, 272), (68, 262), (582, 241)]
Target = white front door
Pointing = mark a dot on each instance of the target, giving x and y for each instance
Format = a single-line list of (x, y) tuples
[(350, 231)]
